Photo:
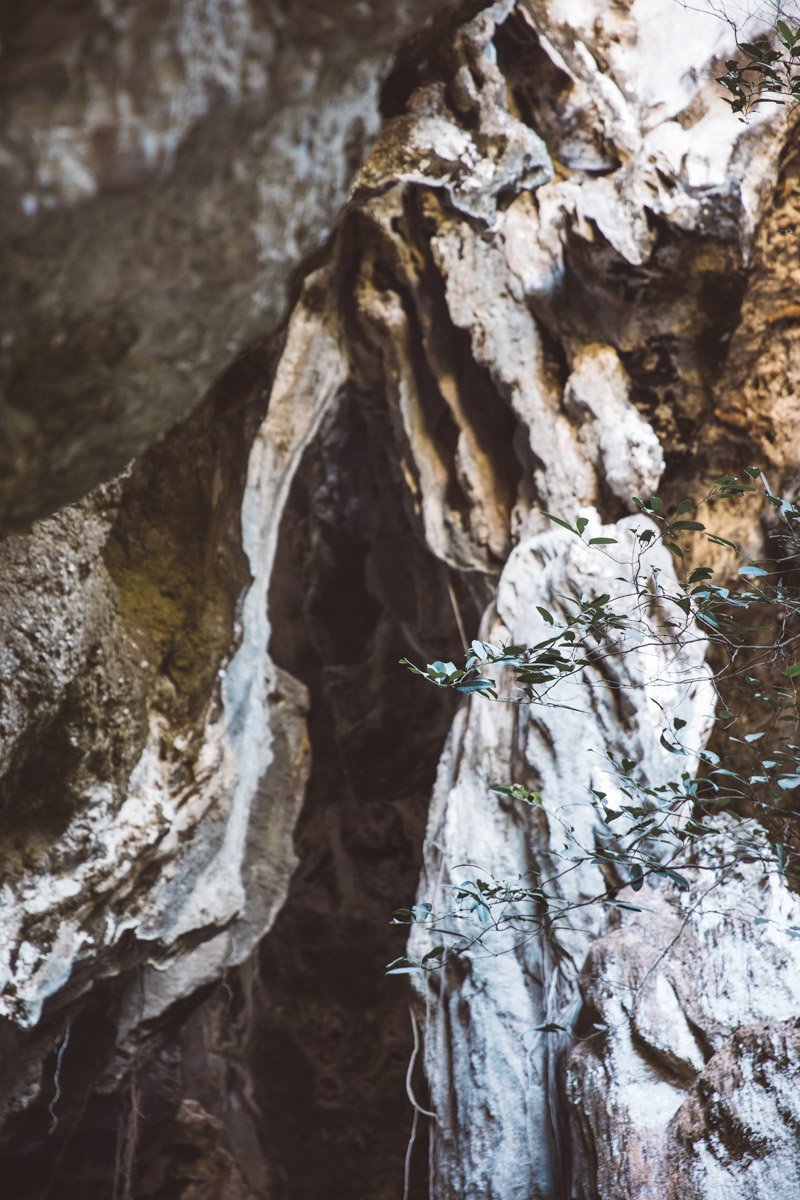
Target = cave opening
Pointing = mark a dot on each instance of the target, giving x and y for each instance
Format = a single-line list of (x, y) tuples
[(355, 591)]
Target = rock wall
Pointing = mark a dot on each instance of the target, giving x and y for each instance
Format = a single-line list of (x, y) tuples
[(165, 167), (563, 275)]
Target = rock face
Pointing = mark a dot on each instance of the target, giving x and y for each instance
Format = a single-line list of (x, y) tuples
[(687, 1095), (562, 277), (164, 169), (490, 1023)]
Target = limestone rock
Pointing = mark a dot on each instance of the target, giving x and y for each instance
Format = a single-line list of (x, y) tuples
[(737, 1133), (518, 981), (675, 1054), (164, 170), (555, 282)]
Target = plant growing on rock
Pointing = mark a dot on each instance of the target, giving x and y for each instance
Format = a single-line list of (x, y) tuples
[(736, 787), (764, 73)]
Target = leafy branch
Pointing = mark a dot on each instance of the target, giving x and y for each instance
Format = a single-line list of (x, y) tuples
[(749, 772), (764, 74)]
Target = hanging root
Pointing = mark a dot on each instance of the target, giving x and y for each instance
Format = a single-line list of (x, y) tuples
[(127, 1141), (413, 1101), (51, 1108)]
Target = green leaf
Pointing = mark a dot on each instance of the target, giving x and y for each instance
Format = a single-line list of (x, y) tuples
[(787, 37), (436, 952), (559, 521), (483, 687), (544, 614), (793, 671), (602, 541), (679, 880), (667, 746), (551, 1027), (517, 792), (441, 670), (687, 525), (401, 966)]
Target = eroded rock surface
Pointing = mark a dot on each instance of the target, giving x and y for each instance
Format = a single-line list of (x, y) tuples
[(687, 1025), (556, 284), (618, 263), (164, 169)]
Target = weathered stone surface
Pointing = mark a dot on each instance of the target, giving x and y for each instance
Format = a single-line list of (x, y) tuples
[(677, 1075), (632, 270), (164, 168), (548, 291), (179, 796), (756, 396), (494, 1092), (737, 1133)]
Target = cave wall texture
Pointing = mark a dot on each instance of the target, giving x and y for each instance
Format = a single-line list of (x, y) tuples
[(307, 314)]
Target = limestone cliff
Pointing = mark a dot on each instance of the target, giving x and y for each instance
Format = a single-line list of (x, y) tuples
[(403, 285)]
